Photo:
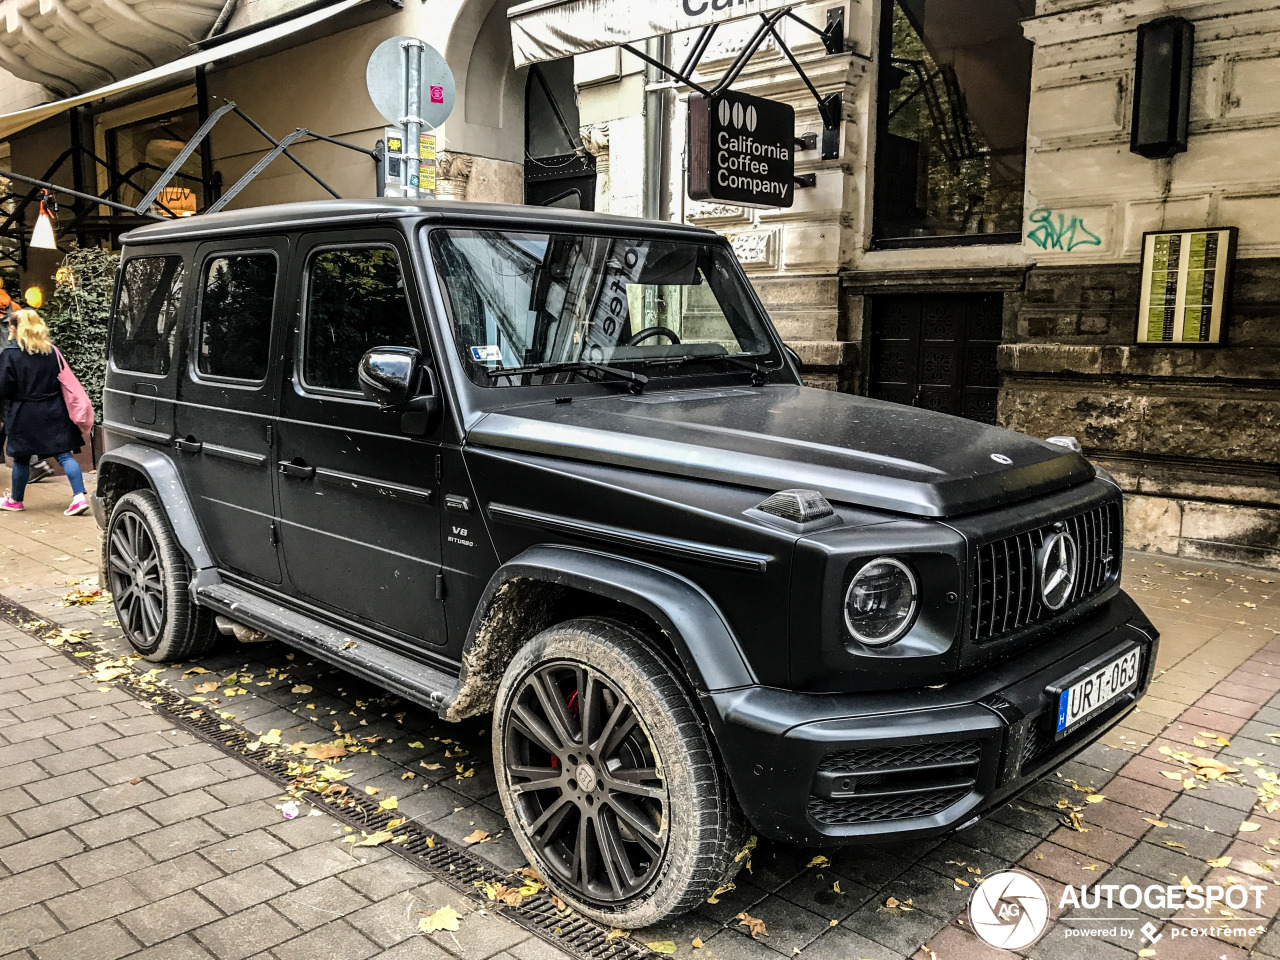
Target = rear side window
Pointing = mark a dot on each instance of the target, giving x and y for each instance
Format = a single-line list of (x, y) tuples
[(235, 316), (147, 314), (355, 301)]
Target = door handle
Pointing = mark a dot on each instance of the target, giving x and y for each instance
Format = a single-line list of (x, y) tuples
[(300, 470), (188, 446)]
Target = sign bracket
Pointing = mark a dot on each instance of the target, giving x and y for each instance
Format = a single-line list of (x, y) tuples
[(833, 42)]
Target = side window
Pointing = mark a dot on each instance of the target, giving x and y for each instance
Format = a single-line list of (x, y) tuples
[(147, 314), (235, 316), (355, 301)]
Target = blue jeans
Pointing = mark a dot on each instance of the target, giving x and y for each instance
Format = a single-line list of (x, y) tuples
[(22, 471)]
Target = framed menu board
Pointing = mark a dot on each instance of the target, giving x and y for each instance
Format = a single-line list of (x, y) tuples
[(1186, 279)]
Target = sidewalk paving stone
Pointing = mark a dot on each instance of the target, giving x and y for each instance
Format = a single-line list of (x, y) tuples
[(212, 840)]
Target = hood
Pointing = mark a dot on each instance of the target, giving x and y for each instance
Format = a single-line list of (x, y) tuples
[(854, 450)]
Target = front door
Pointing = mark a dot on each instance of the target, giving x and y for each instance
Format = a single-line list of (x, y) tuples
[(223, 419), (938, 351), (359, 504)]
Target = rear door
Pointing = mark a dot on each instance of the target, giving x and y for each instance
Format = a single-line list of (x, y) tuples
[(359, 504), (225, 413)]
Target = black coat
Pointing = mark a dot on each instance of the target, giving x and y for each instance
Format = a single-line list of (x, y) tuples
[(37, 423)]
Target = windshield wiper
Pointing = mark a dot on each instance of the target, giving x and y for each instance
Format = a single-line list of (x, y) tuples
[(636, 381)]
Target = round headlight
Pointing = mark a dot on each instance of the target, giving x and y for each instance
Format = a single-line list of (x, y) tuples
[(881, 602)]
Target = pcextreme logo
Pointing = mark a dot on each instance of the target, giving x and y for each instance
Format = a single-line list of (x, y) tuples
[(1009, 910)]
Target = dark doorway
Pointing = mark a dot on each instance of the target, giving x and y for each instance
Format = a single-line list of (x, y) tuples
[(558, 172), (938, 351)]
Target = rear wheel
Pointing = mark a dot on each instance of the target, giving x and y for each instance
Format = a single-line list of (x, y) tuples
[(608, 778), (149, 582)]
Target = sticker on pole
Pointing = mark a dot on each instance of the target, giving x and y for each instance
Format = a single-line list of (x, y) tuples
[(387, 76)]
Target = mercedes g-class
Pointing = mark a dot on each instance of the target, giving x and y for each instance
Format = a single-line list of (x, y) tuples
[(561, 467)]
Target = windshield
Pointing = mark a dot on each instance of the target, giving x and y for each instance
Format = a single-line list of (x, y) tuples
[(535, 299)]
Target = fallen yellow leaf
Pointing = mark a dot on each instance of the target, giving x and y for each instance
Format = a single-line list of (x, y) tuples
[(446, 918)]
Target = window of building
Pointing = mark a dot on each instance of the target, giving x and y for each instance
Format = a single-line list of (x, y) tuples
[(147, 314), (142, 150), (954, 93), (355, 302), (235, 316)]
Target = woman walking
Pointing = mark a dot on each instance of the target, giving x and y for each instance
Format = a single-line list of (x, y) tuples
[(37, 422)]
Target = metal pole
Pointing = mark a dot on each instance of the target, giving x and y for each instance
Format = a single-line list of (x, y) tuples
[(412, 120)]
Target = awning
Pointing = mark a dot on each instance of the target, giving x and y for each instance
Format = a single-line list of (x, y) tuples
[(12, 123), (550, 29)]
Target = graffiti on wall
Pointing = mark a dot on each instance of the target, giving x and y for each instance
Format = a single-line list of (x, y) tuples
[(1049, 233)]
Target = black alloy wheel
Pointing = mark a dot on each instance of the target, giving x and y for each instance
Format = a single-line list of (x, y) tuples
[(136, 579), (586, 782), (150, 582)]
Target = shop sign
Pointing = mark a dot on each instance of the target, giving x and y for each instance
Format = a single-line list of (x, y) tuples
[(742, 150)]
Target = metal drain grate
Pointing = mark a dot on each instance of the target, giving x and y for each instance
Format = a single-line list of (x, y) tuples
[(453, 865)]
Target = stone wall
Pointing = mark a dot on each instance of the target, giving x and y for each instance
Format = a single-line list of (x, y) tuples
[(1191, 433)]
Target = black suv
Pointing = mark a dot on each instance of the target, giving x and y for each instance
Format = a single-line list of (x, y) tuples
[(560, 467)]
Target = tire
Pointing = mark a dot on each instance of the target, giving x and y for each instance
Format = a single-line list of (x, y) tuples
[(148, 577), (650, 813)]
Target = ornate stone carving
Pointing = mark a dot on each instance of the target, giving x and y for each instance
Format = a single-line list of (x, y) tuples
[(453, 171), (755, 248), (595, 140), (700, 211)]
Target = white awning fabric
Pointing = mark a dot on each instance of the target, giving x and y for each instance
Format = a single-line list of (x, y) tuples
[(550, 29), (12, 123)]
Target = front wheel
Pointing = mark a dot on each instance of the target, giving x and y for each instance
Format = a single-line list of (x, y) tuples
[(608, 778), (149, 582)]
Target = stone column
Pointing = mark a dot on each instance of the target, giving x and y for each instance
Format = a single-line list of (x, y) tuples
[(453, 172), (595, 140)]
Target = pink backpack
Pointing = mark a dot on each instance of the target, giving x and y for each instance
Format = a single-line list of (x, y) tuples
[(73, 394)]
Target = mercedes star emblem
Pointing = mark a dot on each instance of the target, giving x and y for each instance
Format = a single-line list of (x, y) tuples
[(1059, 567)]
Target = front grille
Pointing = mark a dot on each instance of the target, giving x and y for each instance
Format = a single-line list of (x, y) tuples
[(1039, 742), (878, 784), (888, 759), (1005, 596), (880, 809)]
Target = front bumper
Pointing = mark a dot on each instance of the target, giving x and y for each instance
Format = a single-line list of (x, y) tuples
[(825, 769)]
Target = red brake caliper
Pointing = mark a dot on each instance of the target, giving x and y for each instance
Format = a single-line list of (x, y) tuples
[(572, 704)]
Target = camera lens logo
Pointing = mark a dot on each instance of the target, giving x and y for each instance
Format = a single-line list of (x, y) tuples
[(1009, 910)]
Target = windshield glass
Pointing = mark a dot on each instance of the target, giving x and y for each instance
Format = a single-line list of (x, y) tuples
[(532, 299)]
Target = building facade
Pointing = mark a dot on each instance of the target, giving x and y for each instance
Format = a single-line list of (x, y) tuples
[(973, 246)]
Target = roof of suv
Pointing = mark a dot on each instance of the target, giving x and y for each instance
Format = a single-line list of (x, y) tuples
[(317, 213)]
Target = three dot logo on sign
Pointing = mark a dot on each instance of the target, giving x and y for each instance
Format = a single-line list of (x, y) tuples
[(1009, 910), (740, 116)]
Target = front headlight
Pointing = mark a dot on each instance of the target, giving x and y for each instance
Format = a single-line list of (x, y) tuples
[(881, 602)]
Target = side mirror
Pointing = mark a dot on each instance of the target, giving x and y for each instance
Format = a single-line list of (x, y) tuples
[(395, 379), (389, 375)]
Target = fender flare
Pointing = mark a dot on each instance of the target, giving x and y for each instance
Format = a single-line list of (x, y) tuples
[(162, 476), (693, 623)]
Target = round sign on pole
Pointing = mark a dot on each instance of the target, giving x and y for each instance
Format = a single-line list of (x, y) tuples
[(386, 77)]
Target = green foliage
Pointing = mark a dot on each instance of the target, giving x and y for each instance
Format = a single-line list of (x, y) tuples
[(77, 313)]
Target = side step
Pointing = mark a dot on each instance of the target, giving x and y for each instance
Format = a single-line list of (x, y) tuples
[(402, 676)]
